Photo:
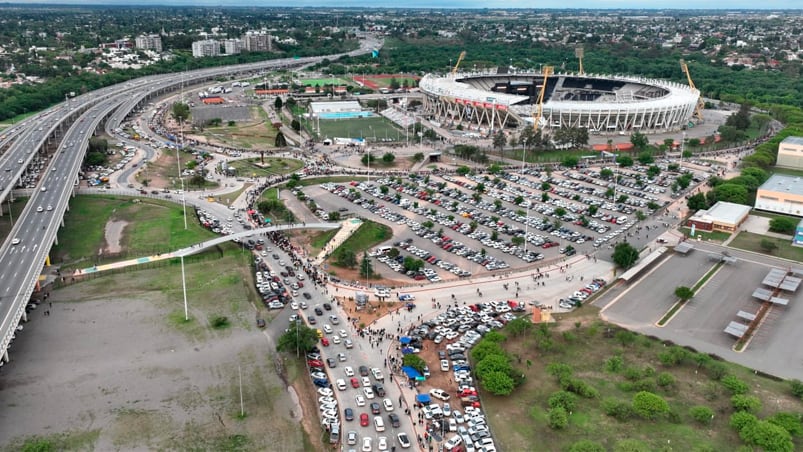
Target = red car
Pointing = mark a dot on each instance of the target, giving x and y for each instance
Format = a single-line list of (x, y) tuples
[(324, 342), (315, 363), (364, 420), (355, 383)]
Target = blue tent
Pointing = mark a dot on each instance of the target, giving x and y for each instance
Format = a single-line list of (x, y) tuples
[(405, 340), (410, 372), (423, 398), (407, 350)]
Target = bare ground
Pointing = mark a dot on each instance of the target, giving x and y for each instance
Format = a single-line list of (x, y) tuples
[(113, 233)]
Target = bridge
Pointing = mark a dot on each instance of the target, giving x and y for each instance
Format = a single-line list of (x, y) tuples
[(203, 246)]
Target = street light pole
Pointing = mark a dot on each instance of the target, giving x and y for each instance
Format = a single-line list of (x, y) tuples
[(184, 288)]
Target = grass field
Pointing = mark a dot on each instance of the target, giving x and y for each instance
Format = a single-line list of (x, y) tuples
[(714, 236), (153, 227), (372, 129), (752, 242), (368, 235), (252, 167), (259, 133), (324, 81), (520, 420)]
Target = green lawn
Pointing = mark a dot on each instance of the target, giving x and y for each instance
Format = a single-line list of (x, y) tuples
[(324, 81), (752, 242), (368, 128), (519, 420), (273, 166), (153, 227), (368, 235), (320, 239), (714, 236)]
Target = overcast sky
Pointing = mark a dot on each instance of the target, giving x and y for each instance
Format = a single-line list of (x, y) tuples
[(590, 4)]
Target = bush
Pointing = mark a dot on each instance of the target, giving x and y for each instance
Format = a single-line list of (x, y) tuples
[(712, 391), (788, 421), (617, 409), (648, 371), (674, 356), (740, 419), (735, 385), (558, 370), (564, 399), (632, 373), (579, 387), (716, 370), (558, 418), (586, 445), (742, 402), (797, 388), (767, 436), (631, 445), (645, 384), (666, 379), (614, 364), (220, 322), (702, 414), (649, 405)]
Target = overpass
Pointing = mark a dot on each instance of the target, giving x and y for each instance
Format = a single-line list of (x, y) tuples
[(202, 246), (66, 129)]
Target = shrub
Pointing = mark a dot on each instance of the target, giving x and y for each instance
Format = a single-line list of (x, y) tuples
[(648, 371), (630, 445), (649, 405), (712, 391), (740, 419), (220, 322), (579, 387), (666, 379), (716, 370), (625, 386), (632, 373), (674, 356), (614, 364), (673, 417), (797, 388), (735, 385), (568, 336), (617, 409), (564, 399), (702, 414), (586, 445), (788, 421), (625, 337), (559, 370), (767, 436), (742, 402), (558, 418), (645, 384)]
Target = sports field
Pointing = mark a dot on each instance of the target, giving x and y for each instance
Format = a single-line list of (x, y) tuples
[(377, 128), (383, 80), (324, 81)]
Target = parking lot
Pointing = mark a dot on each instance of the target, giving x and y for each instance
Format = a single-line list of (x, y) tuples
[(461, 225)]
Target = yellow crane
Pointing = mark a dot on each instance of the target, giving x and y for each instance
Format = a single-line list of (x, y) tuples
[(698, 110), (546, 72), (459, 60)]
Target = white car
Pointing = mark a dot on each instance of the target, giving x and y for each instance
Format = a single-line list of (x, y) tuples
[(369, 393), (15, 241), (388, 404), (366, 444), (366, 382), (359, 399), (343, 333), (294, 306), (49, 208), (382, 443), (445, 365), (40, 209), (377, 374), (335, 339), (326, 392), (349, 371), (341, 384)]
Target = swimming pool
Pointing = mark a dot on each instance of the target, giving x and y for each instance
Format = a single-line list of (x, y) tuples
[(346, 115)]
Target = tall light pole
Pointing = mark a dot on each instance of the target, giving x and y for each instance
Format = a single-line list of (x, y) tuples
[(183, 194), (184, 288)]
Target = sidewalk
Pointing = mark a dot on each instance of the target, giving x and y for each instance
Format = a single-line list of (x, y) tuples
[(349, 227)]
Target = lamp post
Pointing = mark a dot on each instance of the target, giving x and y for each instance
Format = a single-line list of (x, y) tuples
[(184, 289)]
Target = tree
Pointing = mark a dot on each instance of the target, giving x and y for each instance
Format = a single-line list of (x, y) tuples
[(558, 418), (418, 157), (653, 171), (759, 174), (649, 405), (498, 383), (570, 161), (645, 158), (697, 202), (281, 141), (180, 111), (414, 361), (563, 399), (277, 104), (295, 125), (412, 264), (748, 403), (684, 293), (783, 225), (791, 422), (728, 192), (298, 338), (366, 269), (368, 159), (388, 158), (463, 170), (624, 160), (517, 240), (346, 258), (639, 141), (499, 140), (768, 245), (606, 173), (624, 255)]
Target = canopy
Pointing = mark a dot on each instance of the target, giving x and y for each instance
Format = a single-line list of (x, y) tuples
[(405, 340), (411, 372), (407, 350), (423, 398)]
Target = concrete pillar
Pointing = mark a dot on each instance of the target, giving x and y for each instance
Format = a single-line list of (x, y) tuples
[(24, 316), (5, 356)]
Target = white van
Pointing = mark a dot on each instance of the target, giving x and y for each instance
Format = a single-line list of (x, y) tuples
[(621, 220), (379, 424)]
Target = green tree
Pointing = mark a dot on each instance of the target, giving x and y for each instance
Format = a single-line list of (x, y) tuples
[(346, 258), (653, 171), (563, 399), (640, 141), (388, 158), (791, 422), (768, 245), (180, 111), (414, 361), (366, 269), (728, 192), (606, 173), (743, 402), (759, 174), (484, 349), (624, 255), (570, 161), (684, 293), (649, 405), (558, 418), (418, 157), (498, 383), (297, 339), (493, 363), (783, 225), (796, 386), (697, 201), (277, 104), (280, 141), (645, 158), (295, 125), (499, 140), (412, 264), (368, 159), (463, 170)]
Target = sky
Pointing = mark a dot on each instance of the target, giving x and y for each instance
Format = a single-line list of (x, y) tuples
[(584, 4)]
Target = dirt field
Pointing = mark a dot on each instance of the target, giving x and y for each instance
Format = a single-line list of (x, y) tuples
[(122, 371)]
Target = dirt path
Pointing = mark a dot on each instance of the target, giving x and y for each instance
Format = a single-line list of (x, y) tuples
[(113, 234)]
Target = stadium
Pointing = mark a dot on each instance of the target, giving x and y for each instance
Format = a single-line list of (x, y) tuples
[(602, 104)]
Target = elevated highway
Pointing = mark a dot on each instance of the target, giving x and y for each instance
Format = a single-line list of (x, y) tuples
[(61, 136)]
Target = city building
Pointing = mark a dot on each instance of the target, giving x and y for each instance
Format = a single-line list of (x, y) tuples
[(205, 48), (258, 41), (722, 216), (790, 153), (151, 42), (781, 194), (232, 46)]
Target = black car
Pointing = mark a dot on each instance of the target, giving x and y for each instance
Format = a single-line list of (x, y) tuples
[(318, 311), (307, 295), (379, 390), (348, 413), (363, 371), (311, 320), (275, 256), (327, 306), (375, 408), (394, 420), (261, 323)]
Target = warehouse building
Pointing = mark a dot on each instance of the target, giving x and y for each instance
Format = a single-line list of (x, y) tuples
[(781, 194), (790, 153), (722, 216)]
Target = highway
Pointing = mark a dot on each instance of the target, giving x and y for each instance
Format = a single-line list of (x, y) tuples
[(67, 128)]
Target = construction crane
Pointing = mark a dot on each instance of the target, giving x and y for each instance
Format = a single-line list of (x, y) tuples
[(579, 53), (698, 110), (546, 71), (459, 60)]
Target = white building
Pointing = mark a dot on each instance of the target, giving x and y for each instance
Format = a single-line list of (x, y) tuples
[(150, 42), (205, 48), (258, 41), (232, 46)]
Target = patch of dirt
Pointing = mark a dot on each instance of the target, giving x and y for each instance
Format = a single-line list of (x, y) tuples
[(113, 232)]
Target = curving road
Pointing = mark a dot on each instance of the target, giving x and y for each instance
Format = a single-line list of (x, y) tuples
[(67, 127)]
